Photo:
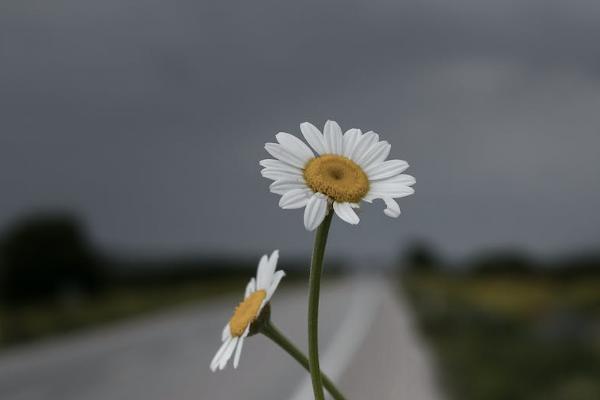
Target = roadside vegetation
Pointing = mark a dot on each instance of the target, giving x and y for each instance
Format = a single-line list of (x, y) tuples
[(74, 312), (54, 281), (505, 328)]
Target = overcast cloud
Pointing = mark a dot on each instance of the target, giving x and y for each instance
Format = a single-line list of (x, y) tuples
[(148, 118)]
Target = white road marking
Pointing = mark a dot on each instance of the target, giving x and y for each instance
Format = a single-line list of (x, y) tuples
[(364, 302)]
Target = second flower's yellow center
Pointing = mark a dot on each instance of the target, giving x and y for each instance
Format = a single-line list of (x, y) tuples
[(337, 177), (246, 313)]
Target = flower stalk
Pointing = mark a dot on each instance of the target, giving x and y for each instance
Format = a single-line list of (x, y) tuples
[(270, 331), (316, 270)]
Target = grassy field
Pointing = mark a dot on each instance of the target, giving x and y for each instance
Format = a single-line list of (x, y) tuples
[(29, 323), (510, 338)]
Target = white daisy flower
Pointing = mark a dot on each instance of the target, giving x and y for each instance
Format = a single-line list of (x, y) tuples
[(346, 170), (258, 294)]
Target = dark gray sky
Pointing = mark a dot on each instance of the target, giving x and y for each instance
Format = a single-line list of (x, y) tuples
[(148, 118)]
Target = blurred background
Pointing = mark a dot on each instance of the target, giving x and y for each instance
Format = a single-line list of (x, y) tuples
[(130, 135)]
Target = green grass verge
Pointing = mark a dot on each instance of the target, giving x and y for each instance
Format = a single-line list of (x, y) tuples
[(511, 338), (37, 321)]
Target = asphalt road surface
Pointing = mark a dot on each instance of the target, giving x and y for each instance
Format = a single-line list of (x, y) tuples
[(367, 344)]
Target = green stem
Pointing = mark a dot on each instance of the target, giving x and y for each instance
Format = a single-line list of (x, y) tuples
[(270, 331), (314, 289)]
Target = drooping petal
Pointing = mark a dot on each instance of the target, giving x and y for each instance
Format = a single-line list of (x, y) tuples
[(314, 137), (333, 138), (315, 211), (217, 358), (228, 352), (393, 209), (226, 334), (386, 169), (351, 138), (238, 352), (284, 154), (346, 213), (283, 186), (295, 145), (295, 198)]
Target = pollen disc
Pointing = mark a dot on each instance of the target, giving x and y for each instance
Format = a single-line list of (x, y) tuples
[(246, 313), (337, 177)]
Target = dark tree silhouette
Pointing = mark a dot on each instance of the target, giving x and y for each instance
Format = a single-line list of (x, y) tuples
[(506, 261), (420, 257), (43, 255)]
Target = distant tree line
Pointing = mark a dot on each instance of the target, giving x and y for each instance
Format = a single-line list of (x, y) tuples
[(420, 257), (43, 256), (49, 256)]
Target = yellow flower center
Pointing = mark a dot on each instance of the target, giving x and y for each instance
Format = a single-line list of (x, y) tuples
[(246, 313), (337, 177)]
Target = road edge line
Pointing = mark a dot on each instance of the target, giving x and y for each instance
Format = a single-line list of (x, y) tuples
[(358, 320)]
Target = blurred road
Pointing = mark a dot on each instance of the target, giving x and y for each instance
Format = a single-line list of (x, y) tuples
[(367, 345)]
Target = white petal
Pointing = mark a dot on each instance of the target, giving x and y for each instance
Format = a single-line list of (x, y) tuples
[(275, 169), (364, 144), (273, 263), (274, 284), (401, 179), (226, 334), (386, 169), (333, 137), (296, 198), (393, 209), (217, 358), (375, 155), (280, 165), (285, 185), (314, 137), (265, 271), (346, 213), (315, 211), (351, 138), (238, 352), (295, 145), (250, 288), (261, 273), (391, 190), (269, 162), (227, 353), (284, 154), (278, 175)]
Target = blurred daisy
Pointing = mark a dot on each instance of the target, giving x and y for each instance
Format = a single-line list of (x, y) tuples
[(258, 293), (346, 170)]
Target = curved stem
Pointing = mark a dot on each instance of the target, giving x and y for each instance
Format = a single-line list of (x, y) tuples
[(270, 331), (314, 288)]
